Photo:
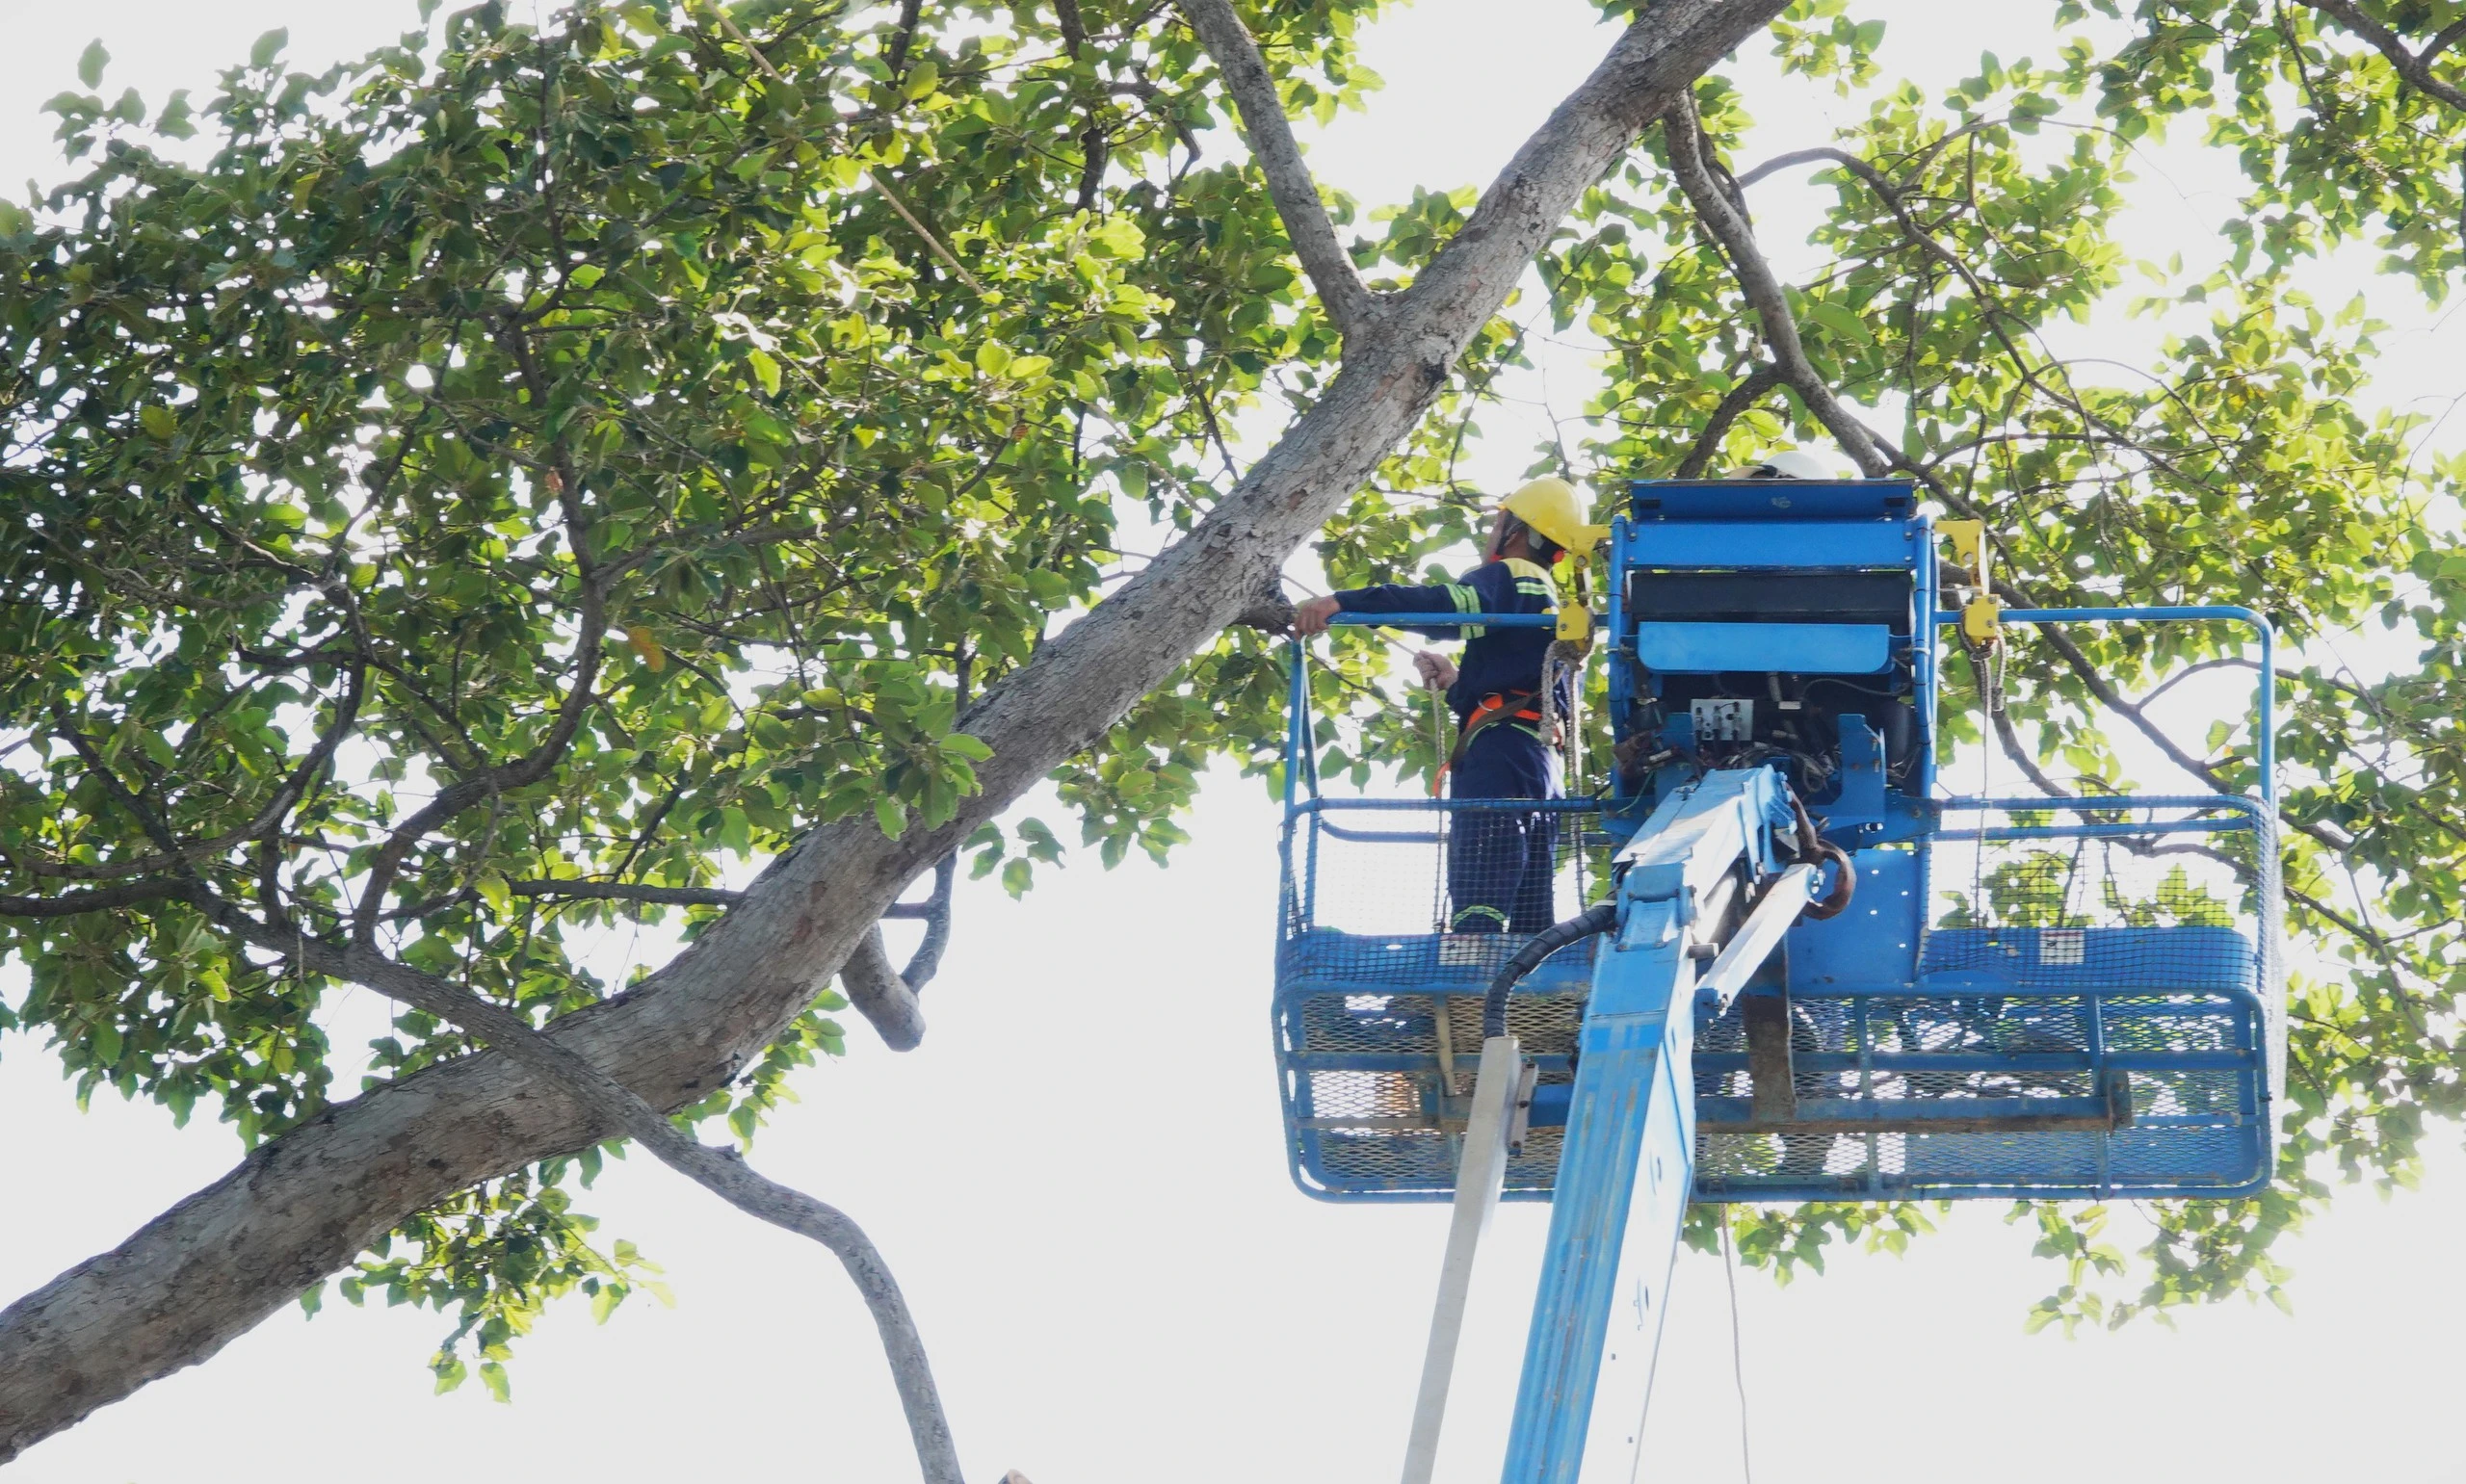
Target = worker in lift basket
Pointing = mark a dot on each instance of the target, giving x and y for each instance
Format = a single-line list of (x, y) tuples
[(1499, 861)]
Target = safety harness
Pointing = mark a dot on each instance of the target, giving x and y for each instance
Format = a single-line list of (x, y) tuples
[(1493, 708)]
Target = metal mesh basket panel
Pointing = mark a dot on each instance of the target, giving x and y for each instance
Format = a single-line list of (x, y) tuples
[(2120, 969), (2113, 982), (1383, 881), (1371, 1111)]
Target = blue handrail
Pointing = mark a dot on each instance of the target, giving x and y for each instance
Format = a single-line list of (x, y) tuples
[(1582, 804), (1296, 743), (2082, 803), (2228, 613), (1448, 620), (1298, 753)]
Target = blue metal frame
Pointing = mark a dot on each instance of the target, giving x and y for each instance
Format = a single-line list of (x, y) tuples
[(2186, 1014), (2265, 703), (1447, 620), (1867, 936), (2136, 1053), (1849, 525)]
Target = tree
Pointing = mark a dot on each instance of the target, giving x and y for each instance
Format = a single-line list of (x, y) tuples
[(484, 431), (501, 487)]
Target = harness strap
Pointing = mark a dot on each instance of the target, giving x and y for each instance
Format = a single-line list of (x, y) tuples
[(1492, 709)]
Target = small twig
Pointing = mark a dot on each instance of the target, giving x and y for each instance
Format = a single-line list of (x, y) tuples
[(924, 231), (871, 179)]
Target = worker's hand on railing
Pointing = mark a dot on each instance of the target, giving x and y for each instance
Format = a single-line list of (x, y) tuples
[(1310, 615), (1437, 671)]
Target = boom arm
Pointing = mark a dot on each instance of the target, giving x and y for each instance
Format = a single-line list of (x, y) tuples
[(1628, 1161)]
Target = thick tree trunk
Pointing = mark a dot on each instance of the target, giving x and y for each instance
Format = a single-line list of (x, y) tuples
[(295, 1210)]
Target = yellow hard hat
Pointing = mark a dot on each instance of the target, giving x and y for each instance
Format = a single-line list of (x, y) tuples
[(1553, 507)]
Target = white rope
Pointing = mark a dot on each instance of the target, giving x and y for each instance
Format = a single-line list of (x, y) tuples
[(1565, 662), (1737, 1357)]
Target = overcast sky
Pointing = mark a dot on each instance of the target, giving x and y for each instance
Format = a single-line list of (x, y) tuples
[(1078, 1178)]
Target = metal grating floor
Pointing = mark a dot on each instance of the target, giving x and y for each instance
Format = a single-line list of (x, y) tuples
[(1370, 1115)]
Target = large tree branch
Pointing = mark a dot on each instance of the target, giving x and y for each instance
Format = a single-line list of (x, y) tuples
[(1690, 164), (103, 899), (1349, 302), (301, 1204), (611, 1104), (2415, 69), (559, 890)]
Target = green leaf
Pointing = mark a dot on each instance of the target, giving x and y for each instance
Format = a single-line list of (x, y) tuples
[(176, 120), (892, 815), (1841, 320), (960, 745), (158, 422), (1049, 588), (765, 369), (1120, 238), (92, 62), (268, 46)]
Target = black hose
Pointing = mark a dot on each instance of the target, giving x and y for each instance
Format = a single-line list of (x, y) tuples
[(1596, 919)]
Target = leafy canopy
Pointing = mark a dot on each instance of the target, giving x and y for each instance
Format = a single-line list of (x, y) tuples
[(527, 462)]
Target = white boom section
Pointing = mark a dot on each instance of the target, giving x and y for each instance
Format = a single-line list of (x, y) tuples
[(1479, 1176), (1756, 938)]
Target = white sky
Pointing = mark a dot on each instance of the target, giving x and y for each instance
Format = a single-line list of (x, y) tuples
[(1078, 1180)]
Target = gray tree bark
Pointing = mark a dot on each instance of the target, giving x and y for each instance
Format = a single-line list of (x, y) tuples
[(302, 1205)]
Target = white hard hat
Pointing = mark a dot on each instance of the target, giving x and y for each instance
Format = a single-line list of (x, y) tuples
[(1790, 465)]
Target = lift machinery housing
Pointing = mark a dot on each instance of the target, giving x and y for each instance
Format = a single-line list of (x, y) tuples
[(2023, 995)]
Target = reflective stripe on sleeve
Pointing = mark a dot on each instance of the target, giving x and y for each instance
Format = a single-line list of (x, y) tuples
[(1466, 601)]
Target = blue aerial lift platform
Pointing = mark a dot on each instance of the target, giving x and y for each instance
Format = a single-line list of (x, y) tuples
[(1806, 971)]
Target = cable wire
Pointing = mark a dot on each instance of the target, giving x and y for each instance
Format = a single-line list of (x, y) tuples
[(1738, 1355)]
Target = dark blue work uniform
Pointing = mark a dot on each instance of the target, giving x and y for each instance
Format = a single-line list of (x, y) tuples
[(1499, 861)]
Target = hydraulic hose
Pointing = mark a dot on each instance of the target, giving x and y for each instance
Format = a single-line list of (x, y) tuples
[(1601, 917), (1597, 918)]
